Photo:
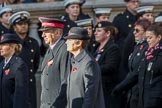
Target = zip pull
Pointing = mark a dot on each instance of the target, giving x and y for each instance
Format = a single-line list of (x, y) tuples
[(152, 73), (149, 66)]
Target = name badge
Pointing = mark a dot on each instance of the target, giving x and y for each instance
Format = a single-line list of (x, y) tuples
[(149, 66), (98, 57)]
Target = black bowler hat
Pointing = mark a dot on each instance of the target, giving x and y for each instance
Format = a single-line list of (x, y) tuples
[(9, 38), (48, 23), (22, 16), (78, 33)]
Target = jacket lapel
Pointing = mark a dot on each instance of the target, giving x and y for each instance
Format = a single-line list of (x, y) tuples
[(53, 54)]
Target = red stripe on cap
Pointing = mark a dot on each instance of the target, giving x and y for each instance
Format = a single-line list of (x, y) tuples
[(53, 25)]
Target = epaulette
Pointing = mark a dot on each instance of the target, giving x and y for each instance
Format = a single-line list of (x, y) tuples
[(120, 14)]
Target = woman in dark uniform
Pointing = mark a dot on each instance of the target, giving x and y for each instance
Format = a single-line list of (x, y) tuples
[(149, 73), (108, 56), (135, 58), (13, 74)]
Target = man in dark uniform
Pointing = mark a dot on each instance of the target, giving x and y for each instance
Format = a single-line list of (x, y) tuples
[(125, 21), (54, 66), (73, 13), (30, 52)]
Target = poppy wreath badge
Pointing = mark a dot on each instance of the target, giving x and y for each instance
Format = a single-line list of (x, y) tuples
[(141, 47), (49, 63), (7, 71), (74, 69)]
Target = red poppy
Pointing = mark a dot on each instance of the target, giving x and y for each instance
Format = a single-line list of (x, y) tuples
[(7, 71), (141, 47), (50, 63), (74, 69)]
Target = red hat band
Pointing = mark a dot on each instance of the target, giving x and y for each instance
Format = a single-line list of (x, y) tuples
[(47, 24)]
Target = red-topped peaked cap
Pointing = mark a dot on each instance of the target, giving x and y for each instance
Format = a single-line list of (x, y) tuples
[(48, 23)]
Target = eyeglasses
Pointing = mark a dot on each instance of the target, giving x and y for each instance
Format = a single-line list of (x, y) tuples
[(137, 30)]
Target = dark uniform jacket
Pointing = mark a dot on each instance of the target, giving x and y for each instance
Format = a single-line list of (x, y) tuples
[(31, 55), (69, 23), (134, 61), (150, 80), (4, 30), (14, 84), (92, 45), (109, 60), (124, 23), (54, 74), (128, 47), (84, 85)]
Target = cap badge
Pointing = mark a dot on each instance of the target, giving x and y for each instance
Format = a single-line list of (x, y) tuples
[(74, 69), (7, 71), (99, 25), (130, 25), (22, 16)]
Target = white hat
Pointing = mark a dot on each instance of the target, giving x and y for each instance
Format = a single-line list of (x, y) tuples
[(102, 10), (67, 2), (4, 8), (158, 19), (19, 16), (84, 22), (144, 9)]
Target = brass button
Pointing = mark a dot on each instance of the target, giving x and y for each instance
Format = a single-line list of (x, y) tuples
[(31, 70), (130, 25), (32, 50), (32, 60), (31, 80)]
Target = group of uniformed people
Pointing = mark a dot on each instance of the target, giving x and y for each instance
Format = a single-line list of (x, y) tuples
[(88, 63)]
